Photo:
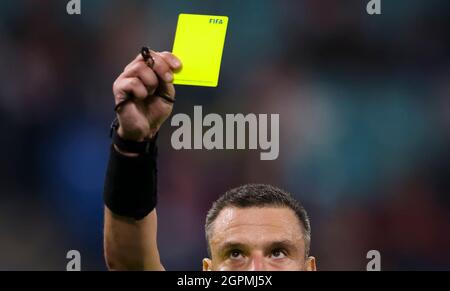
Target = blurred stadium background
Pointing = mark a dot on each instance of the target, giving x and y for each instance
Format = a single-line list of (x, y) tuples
[(364, 103)]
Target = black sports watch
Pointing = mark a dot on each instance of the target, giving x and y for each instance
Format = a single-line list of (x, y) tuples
[(148, 146)]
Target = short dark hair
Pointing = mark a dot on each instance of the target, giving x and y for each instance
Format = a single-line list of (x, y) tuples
[(258, 195)]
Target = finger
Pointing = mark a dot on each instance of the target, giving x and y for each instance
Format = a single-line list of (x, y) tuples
[(167, 92), (172, 60), (125, 87), (162, 68), (145, 74)]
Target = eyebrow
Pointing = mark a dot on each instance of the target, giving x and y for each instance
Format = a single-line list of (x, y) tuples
[(282, 244), (231, 245), (285, 244)]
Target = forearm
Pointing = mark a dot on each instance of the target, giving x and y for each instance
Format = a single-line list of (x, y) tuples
[(130, 219), (144, 98), (131, 244)]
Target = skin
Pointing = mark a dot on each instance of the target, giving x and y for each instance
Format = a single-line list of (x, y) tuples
[(132, 245), (257, 239)]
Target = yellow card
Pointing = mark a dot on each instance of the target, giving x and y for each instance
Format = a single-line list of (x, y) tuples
[(199, 42)]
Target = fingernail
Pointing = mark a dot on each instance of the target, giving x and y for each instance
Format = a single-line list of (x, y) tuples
[(176, 63), (168, 77)]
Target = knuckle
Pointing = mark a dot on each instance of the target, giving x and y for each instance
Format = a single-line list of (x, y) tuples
[(116, 84), (134, 82), (159, 62), (128, 67), (136, 68)]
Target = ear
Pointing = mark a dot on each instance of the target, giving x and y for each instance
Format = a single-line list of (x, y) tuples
[(310, 264), (207, 264)]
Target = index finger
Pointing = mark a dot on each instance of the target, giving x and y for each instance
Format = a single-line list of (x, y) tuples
[(138, 59)]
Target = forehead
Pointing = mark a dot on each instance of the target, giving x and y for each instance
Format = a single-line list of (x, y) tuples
[(256, 225)]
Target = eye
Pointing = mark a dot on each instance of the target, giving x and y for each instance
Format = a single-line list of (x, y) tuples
[(278, 254), (235, 255)]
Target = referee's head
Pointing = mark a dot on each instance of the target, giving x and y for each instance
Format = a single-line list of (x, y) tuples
[(258, 227)]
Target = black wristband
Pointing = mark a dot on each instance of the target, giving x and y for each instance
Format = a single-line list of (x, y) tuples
[(131, 183), (129, 146)]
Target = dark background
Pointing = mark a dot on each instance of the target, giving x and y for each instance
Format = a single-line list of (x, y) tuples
[(364, 104)]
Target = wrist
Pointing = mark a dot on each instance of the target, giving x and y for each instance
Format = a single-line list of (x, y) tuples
[(130, 145), (131, 136)]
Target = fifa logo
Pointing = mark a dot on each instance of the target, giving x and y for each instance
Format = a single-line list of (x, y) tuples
[(215, 21)]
